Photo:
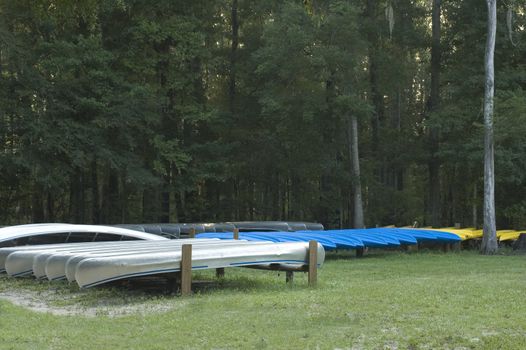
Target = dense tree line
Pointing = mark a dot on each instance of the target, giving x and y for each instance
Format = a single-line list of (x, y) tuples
[(155, 111)]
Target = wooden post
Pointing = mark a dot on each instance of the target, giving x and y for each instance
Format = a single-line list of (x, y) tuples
[(313, 263), (359, 252), (412, 248), (192, 232), (220, 272), (236, 233), (289, 277), (186, 269)]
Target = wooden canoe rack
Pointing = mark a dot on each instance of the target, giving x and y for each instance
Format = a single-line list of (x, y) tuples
[(186, 268)]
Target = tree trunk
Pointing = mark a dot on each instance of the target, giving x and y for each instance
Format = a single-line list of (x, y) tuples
[(76, 197), (233, 57), (95, 195), (111, 208), (37, 208), (434, 212), (474, 207), (376, 95), (50, 207), (489, 239), (355, 170), (173, 217)]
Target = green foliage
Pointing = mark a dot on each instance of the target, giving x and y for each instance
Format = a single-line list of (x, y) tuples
[(121, 111)]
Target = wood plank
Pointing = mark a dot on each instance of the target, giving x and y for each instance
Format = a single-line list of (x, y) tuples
[(186, 270), (313, 263)]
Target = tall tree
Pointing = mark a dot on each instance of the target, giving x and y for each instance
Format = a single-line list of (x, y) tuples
[(358, 221), (489, 239), (433, 104), (233, 55)]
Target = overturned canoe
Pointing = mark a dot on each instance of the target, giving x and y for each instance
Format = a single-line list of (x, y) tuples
[(63, 233), (29, 260), (6, 251), (56, 265), (93, 271)]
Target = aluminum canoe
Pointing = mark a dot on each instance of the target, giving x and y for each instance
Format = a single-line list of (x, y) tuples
[(13, 233), (94, 271), (25, 262)]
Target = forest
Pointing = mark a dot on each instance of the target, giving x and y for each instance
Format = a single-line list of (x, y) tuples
[(124, 111)]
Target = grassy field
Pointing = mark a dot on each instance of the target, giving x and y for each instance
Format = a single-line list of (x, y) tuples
[(383, 301)]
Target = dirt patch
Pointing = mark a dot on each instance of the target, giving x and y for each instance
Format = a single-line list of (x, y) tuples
[(46, 302)]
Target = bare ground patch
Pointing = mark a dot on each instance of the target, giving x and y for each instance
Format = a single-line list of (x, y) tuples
[(78, 304)]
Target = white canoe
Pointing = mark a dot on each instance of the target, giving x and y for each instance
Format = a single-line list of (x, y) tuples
[(60, 266), (4, 252), (27, 260), (93, 271), (41, 231)]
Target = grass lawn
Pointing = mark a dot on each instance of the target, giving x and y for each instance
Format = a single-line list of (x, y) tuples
[(383, 301)]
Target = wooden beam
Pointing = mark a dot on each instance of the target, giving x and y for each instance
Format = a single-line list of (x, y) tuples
[(186, 270), (313, 263), (220, 272), (192, 232), (236, 233)]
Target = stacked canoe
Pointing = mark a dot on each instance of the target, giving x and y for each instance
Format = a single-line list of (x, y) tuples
[(91, 264), (348, 238), (34, 234), (385, 237), (184, 230)]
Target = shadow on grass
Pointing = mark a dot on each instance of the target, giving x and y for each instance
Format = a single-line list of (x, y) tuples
[(138, 289)]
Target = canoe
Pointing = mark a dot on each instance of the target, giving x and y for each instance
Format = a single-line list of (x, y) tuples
[(443, 237), (51, 265), (464, 234), (72, 262), (25, 262), (56, 265), (510, 236), (4, 252), (276, 236), (45, 233), (94, 271), (342, 241), (368, 239), (403, 238)]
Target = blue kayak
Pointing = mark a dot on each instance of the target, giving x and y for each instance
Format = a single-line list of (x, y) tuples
[(342, 242), (404, 238), (271, 236), (368, 239), (420, 235), (327, 243), (445, 237), (391, 240)]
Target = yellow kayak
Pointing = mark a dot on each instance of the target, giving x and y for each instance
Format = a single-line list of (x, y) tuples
[(471, 233), (509, 236), (463, 233), (500, 233)]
